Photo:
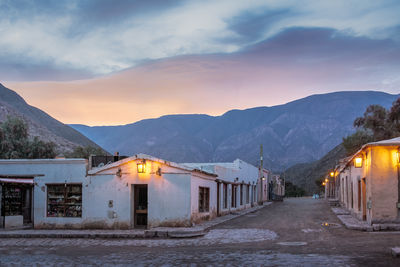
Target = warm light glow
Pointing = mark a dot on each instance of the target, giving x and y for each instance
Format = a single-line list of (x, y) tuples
[(398, 157), (358, 162), (323, 183), (332, 174), (326, 180), (141, 167)]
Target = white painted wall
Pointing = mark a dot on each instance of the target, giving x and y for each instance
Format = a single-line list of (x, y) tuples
[(203, 181), (237, 172), (51, 171), (169, 196)]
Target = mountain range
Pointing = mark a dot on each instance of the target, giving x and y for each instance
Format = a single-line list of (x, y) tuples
[(297, 132), (40, 123)]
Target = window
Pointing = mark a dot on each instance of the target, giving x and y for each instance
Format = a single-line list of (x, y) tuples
[(225, 196), (204, 199), (64, 200), (11, 200), (233, 204)]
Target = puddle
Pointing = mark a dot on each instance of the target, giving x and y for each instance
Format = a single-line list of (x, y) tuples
[(292, 243), (330, 225)]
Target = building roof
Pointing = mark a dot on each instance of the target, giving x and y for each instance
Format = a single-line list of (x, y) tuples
[(150, 158), (389, 142), (43, 161), (209, 166)]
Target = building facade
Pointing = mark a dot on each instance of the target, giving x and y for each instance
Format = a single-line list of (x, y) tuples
[(368, 183), (134, 192)]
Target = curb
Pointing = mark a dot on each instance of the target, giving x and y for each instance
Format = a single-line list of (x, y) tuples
[(199, 230), (196, 231)]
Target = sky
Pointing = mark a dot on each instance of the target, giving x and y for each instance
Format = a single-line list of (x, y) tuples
[(99, 62)]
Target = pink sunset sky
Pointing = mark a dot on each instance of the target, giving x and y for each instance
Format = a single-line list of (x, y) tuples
[(102, 65)]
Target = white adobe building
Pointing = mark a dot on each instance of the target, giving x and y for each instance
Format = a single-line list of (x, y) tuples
[(239, 185), (136, 192)]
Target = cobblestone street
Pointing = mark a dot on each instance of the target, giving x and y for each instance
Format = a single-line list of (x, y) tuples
[(287, 233)]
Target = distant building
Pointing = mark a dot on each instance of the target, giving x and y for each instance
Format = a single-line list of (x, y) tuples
[(277, 187), (134, 192), (239, 185), (368, 183)]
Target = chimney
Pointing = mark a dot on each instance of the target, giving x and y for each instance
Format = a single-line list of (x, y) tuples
[(116, 156)]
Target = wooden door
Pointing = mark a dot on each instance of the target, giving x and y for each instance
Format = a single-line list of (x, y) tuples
[(140, 206), (364, 198)]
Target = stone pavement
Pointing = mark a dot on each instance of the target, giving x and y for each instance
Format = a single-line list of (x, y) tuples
[(289, 233), (158, 232)]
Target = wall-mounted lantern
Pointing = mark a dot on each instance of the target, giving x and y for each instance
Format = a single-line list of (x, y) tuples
[(141, 167), (158, 172), (119, 172), (332, 174), (323, 183), (358, 162), (326, 180), (398, 156)]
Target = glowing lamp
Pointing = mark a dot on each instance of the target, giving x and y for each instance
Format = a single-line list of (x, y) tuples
[(326, 180), (332, 174), (398, 156), (323, 183), (358, 162), (141, 167)]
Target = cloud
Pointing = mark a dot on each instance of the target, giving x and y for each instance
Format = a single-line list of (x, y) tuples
[(101, 37), (291, 64)]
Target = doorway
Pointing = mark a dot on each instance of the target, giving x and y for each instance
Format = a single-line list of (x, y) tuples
[(140, 205), (16, 201), (364, 198)]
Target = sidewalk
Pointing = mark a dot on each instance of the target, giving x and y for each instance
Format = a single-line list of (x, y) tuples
[(353, 223), (158, 232)]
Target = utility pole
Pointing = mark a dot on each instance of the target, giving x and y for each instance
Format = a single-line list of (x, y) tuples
[(260, 175), (261, 157)]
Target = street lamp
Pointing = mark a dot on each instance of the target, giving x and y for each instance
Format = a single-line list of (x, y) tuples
[(358, 161), (141, 167)]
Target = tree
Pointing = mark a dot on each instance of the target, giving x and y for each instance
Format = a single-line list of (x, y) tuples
[(394, 116), (354, 142), (16, 143), (85, 152), (376, 124)]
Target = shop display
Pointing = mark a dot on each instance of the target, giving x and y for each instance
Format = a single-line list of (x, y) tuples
[(64, 200)]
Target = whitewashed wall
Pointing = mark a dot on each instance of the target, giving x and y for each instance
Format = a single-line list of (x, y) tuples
[(53, 171), (199, 180), (169, 196)]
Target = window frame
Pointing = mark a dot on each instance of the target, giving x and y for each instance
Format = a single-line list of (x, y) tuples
[(64, 204), (204, 199)]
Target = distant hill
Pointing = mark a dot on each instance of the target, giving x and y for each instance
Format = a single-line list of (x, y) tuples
[(301, 131), (40, 123), (306, 174)]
